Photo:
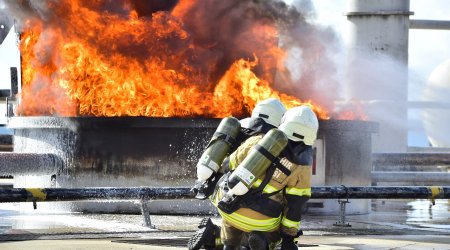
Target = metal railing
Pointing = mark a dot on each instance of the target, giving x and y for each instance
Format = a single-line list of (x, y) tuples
[(144, 194), (385, 162), (158, 193)]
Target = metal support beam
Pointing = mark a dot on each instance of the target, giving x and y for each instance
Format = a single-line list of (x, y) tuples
[(402, 159), (428, 105), (146, 214), (429, 24), (12, 163), (392, 176), (155, 193), (341, 222)]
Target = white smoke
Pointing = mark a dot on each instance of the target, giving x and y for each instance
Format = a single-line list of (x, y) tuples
[(312, 59)]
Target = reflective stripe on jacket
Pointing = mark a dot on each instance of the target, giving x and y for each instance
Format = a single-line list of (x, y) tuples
[(297, 187)]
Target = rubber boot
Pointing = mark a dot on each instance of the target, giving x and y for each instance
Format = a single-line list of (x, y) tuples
[(204, 237), (257, 241), (205, 222), (288, 244)]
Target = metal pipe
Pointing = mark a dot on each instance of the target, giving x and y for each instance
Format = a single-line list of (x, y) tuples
[(429, 24), (142, 193), (393, 176), (377, 30), (402, 159), (378, 13), (428, 105), (29, 163), (74, 194)]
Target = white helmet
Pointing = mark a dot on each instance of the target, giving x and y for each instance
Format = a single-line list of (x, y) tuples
[(300, 124), (270, 110)]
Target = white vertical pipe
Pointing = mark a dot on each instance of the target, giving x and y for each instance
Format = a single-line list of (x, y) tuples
[(377, 61)]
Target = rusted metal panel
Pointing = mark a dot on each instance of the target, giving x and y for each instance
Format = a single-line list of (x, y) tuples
[(127, 152), (147, 151), (116, 151)]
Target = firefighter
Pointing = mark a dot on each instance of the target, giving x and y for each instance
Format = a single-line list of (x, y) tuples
[(270, 210), (265, 116)]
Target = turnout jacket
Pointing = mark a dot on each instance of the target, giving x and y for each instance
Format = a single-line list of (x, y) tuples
[(278, 205)]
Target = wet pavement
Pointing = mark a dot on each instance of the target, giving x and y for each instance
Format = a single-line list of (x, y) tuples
[(392, 224)]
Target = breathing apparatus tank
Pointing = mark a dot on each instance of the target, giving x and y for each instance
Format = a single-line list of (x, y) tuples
[(256, 162), (218, 148)]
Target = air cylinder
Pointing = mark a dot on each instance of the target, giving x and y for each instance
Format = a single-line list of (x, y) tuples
[(218, 148), (256, 163)]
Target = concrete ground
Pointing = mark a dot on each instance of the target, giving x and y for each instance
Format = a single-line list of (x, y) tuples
[(391, 225)]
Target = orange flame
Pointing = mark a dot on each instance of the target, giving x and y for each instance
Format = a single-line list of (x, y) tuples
[(352, 110), (94, 63)]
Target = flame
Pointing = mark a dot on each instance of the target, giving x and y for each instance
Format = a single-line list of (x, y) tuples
[(241, 83), (89, 62), (352, 110)]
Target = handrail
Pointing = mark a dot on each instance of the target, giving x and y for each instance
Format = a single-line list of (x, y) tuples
[(140, 193)]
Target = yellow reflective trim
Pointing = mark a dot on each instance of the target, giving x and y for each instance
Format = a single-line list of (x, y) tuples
[(257, 183), (249, 224), (269, 189), (37, 194), (232, 163), (251, 227), (299, 191), (254, 221), (218, 241), (290, 223)]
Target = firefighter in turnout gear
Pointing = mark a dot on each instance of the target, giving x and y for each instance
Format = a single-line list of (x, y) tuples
[(270, 210), (265, 116), (300, 124)]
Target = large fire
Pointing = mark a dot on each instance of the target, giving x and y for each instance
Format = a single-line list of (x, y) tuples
[(87, 60)]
